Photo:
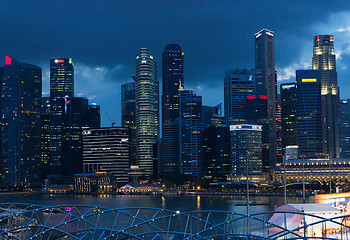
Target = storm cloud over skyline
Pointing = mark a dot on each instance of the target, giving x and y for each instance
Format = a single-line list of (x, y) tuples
[(103, 38)]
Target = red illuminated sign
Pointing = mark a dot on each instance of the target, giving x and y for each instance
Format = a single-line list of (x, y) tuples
[(8, 60), (263, 97), (251, 97)]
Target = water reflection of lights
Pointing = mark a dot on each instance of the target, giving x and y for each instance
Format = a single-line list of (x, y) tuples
[(198, 202)]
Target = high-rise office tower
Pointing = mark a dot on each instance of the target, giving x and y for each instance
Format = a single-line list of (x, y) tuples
[(309, 113), (289, 114), (324, 60), (21, 124), (45, 136), (128, 98), (238, 84), (245, 142), (265, 61), (216, 153), (1, 80), (94, 116), (257, 114), (211, 116), (107, 150), (75, 118), (191, 133), (147, 109), (61, 85), (345, 128), (173, 81)]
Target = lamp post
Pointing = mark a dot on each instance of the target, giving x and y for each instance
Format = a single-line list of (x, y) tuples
[(303, 157), (247, 175), (330, 173)]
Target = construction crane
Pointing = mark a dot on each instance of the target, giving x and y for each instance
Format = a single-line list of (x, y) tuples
[(112, 121)]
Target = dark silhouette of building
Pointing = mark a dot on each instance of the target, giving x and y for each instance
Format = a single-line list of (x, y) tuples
[(216, 153), (21, 124), (173, 81), (211, 116), (61, 85), (147, 109), (289, 114), (45, 136), (257, 114), (191, 133), (128, 98), (238, 84), (309, 112), (107, 150), (265, 61), (324, 60), (345, 128)]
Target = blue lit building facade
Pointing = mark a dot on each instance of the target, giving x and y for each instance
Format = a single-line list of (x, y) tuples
[(191, 133), (309, 112), (21, 124)]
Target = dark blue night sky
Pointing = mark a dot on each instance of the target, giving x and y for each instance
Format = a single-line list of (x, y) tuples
[(103, 38)]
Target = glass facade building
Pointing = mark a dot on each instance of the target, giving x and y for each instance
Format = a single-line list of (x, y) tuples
[(324, 60), (309, 113), (238, 84), (21, 124), (266, 85), (289, 114), (245, 141), (147, 110), (107, 150), (61, 85), (345, 128), (191, 133)]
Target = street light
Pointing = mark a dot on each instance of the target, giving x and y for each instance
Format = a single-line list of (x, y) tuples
[(247, 175)]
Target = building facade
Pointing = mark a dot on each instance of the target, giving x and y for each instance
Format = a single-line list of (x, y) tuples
[(238, 84), (345, 128), (107, 150), (191, 133), (61, 85), (21, 124), (289, 114), (266, 85), (245, 142), (45, 136), (309, 113), (324, 60), (216, 153), (147, 109)]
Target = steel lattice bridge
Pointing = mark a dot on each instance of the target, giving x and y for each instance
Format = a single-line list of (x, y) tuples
[(28, 221)]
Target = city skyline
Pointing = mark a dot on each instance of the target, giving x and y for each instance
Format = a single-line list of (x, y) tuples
[(105, 61)]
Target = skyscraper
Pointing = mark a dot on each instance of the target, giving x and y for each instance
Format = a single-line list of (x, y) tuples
[(61, 85), (211, 116), (289, 114), (128, 98), (147, 109), (191, 133), (107, 150), (309, 112), (216, 153), (173, 80), (345, 128), (238, 84), (245, 141), (265, 61), (45, 136), (21, 124), (324, 60)]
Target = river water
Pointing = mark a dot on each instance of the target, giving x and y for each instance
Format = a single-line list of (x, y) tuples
[(177, 203)]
